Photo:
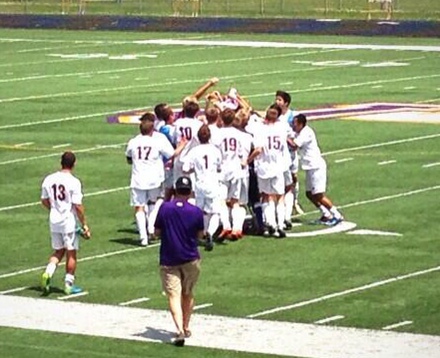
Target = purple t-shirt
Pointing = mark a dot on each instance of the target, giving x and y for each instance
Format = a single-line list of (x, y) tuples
[(179, 222)]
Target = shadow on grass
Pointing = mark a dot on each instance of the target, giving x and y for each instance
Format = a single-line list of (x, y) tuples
[(52, 290), (157, 334), (127, 241)]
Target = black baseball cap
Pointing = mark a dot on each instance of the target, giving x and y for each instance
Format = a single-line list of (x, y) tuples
[(183, 184)]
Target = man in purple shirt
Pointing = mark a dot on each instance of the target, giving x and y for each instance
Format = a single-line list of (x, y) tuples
[(179, 225)]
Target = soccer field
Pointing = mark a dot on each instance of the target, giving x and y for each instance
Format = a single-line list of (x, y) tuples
[(381, 140)]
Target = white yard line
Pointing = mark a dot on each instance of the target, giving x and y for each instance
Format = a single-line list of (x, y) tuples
[(343, 160), (430, 165), (386, 162), (217, 332), (85, 150), (383, 144), (82, 259), (156, 67), (61, 145), (137, 300), (205, 305), (266, 44), (345, 292), (19, 145), (397, 325), (13, 290), (329, 319), (69, 297)]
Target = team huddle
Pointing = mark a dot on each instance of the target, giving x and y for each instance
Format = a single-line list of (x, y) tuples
[(239, 163)]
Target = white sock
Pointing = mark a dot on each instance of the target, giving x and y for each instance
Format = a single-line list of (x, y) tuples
[(288, 204), (214, 223), (141, 222), (224, 217), (50, 268), (324, 211), (269, 213), (281, 213), (69, 279), (153, 214), (296, 192), (238, 214), (335, 212)]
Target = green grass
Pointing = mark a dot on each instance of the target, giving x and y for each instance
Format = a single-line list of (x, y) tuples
[(251, 275)]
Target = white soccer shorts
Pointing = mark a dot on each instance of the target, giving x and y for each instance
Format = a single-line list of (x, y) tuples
[(67, 241)]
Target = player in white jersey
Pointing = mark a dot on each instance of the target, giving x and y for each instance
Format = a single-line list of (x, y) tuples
[(270, 167), (186, 129), (214, 122), (315, 167), (205, 161), (291, 196), (145, 153), (229, 143), (61, 194)]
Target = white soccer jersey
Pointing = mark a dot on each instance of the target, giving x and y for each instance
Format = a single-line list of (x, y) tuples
[(205, 160), (309, 152), (214, 133), (272, 138), (63, 190), (187, 128), (147, 153), (246, 141), (231, 147)]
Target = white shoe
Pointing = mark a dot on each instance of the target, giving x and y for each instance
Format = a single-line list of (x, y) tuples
[(144, 242)]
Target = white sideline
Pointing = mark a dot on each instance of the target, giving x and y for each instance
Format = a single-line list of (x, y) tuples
[(345, 292), (246, 335)]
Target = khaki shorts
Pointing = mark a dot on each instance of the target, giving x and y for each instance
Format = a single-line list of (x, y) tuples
[(181, 278)]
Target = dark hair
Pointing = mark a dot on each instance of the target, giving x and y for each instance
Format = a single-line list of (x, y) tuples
[(146, 127), (212, 115), (147, 117), (301, 119), (204, 134), (284, 95), (275, 107), (160, 111), (228, 116), (68, 160), (190, 109)]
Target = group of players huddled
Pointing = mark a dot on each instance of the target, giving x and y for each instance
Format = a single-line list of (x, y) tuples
[(240, 163)]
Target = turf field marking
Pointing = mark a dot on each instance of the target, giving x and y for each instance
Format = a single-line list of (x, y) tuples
[(345, 292), (430, 165), (137, 300), (329, 319), (13, 290), (212, 331), (343, 160), (23, 144), (113, 253), (267, 44), (155, 67), (61, 145), (397, 325), (73, 295), (386, 162), (85, 150), (383, 144), (100, 192), (88, 258), (205, 305)]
